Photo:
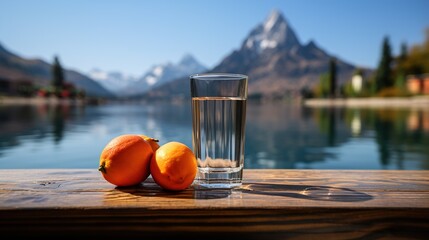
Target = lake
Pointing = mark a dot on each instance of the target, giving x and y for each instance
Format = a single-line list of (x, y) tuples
[(278, 135)]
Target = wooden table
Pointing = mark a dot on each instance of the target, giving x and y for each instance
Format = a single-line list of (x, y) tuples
[(271, 204)]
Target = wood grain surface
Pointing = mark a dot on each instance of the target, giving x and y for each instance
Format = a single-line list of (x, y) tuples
[(271, 204)]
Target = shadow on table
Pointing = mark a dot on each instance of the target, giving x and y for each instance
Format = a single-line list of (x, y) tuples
[(309, 192), (149, 188)]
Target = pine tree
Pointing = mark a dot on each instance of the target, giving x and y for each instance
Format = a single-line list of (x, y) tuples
[(332, 77), (57, 74), (399, 67), (323, 87), (404, 49), (383, 78)]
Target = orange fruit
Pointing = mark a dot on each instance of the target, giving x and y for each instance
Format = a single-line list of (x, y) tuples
[(173, 166), (152, 141), (125, 160)]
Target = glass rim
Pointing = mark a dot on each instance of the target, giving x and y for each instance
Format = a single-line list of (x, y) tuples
[(218, 76)]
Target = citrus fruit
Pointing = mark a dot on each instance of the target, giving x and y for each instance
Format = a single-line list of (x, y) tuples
[(173, 166), (152, 141), (125, 160)]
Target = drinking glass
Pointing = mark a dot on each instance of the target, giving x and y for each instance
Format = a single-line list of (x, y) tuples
[(218, 128)]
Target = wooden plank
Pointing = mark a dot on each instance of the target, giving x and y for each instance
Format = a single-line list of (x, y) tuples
[(271, 204), (294, 223), (261, 188)]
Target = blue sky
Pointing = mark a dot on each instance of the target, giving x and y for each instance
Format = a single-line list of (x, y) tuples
[(132, 35)]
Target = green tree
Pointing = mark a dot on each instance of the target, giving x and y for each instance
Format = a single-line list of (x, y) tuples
[(332, 77), (399, 70), (347, 90), (383, 77), (57, 75), (404, 52), (328, 81), (324, 85), (417, 59)]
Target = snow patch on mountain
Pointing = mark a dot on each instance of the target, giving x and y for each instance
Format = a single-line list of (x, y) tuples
[(113, 81), (274, 32)]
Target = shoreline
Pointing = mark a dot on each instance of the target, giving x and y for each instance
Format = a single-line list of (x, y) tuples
[(394, 102), (39, 101), (374, 102)]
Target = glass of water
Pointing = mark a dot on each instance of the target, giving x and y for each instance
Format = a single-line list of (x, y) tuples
[(218, 128)]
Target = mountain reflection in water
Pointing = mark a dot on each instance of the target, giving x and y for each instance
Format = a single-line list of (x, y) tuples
[(278, 135)]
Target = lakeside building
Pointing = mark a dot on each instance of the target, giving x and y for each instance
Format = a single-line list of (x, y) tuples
[(418, 84), (357, 83)]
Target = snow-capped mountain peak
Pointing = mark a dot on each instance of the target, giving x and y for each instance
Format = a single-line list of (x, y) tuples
[(158, 70), (272, 19), (273, 33), (162, 73), (189, 65), (188, 60), (166, 72), (97, 74), (113, 81), (123, 85)]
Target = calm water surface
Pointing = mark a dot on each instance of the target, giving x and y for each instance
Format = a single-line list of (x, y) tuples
[(278, 135)]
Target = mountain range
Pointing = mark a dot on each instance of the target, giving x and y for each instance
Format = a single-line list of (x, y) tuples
[(15, 68), (96, 83), (157, 75), (114, 81), (272, 55), (276, 62)]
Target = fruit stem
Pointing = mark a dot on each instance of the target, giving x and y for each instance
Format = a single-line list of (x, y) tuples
[(153, 139), (102, 168)]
